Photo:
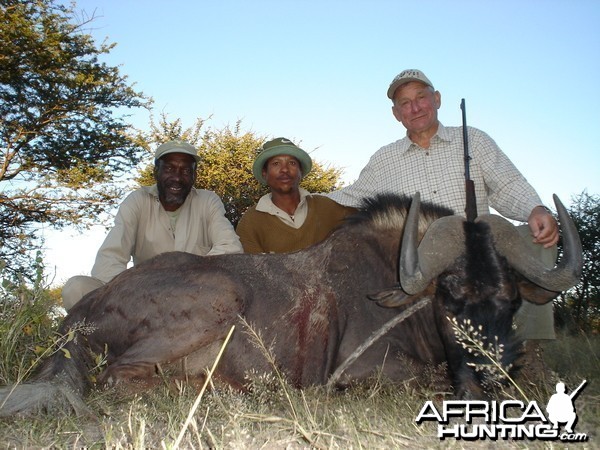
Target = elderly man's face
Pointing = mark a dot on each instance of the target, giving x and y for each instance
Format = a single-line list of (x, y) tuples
[(175, 174), (416, 105), (283, 173)]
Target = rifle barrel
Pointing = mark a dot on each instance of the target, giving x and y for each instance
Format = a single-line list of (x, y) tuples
[(465, 139), (471, 201)]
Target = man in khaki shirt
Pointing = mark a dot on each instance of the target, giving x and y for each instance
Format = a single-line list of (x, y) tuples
[(169, 216)]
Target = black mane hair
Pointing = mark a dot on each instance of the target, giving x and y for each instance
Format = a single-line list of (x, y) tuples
[(390, 211)]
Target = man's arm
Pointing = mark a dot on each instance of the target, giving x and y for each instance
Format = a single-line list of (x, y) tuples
[(509, 191), (222, 236), (116, 250), (511, 195), (246, 230), (367, 185)]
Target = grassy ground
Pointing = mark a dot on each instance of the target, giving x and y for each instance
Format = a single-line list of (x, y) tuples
[(272, 415)]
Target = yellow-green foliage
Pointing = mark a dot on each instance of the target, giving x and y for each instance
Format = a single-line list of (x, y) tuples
[(64, 151), (28, 320)]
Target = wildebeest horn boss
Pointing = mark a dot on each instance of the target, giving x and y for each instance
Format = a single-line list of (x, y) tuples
[(313, 307)]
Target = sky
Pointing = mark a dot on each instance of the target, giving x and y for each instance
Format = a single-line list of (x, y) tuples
[(317, 72)]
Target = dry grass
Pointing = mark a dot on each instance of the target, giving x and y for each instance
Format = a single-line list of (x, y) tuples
[(273, 415)]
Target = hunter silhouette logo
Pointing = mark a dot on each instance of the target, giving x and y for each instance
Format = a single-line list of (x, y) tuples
[(561, 409), (471, 420)]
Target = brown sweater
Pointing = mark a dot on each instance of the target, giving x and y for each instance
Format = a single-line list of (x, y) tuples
[(261, 232)]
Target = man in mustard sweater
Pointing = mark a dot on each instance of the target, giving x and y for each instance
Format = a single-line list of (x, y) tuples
[(289, 218)]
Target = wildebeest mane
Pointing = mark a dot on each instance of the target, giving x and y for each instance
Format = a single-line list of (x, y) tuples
[(389, 211)]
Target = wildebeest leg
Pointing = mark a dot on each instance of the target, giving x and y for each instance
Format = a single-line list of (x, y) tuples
[(167, 326), (140, 361), (464, 381), (117, 372), (466, 385)]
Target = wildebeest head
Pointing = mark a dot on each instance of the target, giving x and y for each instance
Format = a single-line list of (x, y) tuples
[(480, 270)]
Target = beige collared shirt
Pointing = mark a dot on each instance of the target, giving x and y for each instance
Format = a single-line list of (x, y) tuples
[(143, 229)]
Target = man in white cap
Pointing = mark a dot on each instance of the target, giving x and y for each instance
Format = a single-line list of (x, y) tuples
[(170, 215), (430, 160), (289, 218)]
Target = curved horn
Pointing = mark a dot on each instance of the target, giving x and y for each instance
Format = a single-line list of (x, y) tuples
[(441, 245), (510, 244)]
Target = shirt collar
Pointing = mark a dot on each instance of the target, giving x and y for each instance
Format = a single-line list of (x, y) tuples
[(441, 134), (152, 190), (265, 203)]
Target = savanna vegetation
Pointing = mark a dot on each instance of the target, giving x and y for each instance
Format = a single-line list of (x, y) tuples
[(65, 147), (579, 308), (64, 137)]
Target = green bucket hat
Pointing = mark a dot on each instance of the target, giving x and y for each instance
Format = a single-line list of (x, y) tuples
[(280, 146)]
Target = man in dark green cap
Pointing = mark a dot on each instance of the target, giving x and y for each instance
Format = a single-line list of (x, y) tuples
[(289, 218)]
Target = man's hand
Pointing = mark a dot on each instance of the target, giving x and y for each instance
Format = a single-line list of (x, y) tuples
[(543, 226)]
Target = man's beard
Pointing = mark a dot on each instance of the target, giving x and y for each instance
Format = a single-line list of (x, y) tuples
[(173, 198)]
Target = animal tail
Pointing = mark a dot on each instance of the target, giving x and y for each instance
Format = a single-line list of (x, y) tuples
[(59, 385)]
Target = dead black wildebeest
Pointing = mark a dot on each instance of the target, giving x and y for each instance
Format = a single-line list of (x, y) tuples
[(313, 306)]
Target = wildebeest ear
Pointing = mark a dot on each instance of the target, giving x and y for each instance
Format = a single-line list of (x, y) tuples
[(534, 294), (393, 297)]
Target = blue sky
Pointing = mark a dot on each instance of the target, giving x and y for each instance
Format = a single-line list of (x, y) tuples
[(317, 72)]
